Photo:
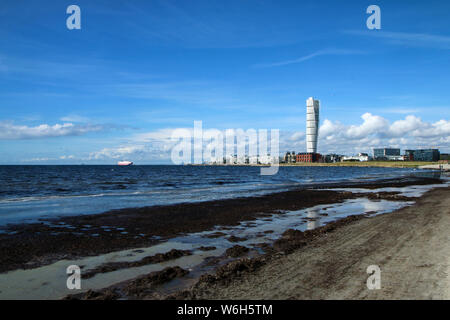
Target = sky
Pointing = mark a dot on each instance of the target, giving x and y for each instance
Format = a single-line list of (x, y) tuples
[(137, 70)]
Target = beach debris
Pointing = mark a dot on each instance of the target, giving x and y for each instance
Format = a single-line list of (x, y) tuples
[(236, 239), (157, 258), (236, 251), (142, 286)]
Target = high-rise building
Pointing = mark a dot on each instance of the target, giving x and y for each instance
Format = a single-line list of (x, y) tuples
[(312, 124)]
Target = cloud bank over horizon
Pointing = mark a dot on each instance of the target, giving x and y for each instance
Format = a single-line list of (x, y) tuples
[(376, 131), (11, 131), (411, 132)]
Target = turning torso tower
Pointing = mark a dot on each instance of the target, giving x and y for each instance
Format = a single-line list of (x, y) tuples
[(312, 124)]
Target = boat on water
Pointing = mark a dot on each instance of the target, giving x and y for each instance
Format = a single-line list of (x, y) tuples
[(124, 163)]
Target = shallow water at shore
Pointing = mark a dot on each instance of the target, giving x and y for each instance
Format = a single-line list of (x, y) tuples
[(29, 193), (49, 282)]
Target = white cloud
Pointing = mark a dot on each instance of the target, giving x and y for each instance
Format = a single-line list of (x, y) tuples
[(437, 129), (64, 157), (38, 160), (118, 152), (372, 124), (11, 131), (328, 128), (310, 56), (297, 136), (158, 135), (376, 131), (334, 137), (408, 125)]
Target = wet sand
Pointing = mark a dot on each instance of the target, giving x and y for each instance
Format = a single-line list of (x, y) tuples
[(26, 246), (411, 246)]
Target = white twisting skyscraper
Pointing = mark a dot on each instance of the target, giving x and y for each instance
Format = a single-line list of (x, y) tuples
[(312, 124)]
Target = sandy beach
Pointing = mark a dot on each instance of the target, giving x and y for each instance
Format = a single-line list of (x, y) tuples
[(411, 246)]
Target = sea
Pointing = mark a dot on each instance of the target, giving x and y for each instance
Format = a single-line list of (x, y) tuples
[(29, 193)]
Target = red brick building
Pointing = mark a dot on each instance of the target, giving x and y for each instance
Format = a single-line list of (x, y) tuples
[(309, 157)]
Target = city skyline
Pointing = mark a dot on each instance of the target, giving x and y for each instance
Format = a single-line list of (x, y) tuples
[(118, 87)]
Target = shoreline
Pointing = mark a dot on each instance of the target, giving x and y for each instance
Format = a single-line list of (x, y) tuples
[(124, 189), (26, 246), (372, 163)]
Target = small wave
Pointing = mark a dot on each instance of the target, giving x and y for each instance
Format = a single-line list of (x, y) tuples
[(43, 198)]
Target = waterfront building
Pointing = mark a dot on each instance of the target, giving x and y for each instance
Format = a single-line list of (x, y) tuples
[(253, 160), (289, 157), (332, 158), (409, 155), (444, 157), (423, 155), (387, 154), (309, 157)]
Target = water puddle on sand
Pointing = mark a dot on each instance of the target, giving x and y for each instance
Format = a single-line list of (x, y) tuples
[(49, 282), (409, 191)]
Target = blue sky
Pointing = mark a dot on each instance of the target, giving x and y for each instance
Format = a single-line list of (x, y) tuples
[(138, 69)]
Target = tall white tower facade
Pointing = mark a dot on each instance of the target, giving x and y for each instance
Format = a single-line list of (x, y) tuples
[(312, 124)]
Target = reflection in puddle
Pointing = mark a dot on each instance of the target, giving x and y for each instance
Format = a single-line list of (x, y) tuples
[(313, 217), (49, 282)]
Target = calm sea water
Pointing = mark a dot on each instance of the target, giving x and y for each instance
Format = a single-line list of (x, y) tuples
[(31, 192)]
